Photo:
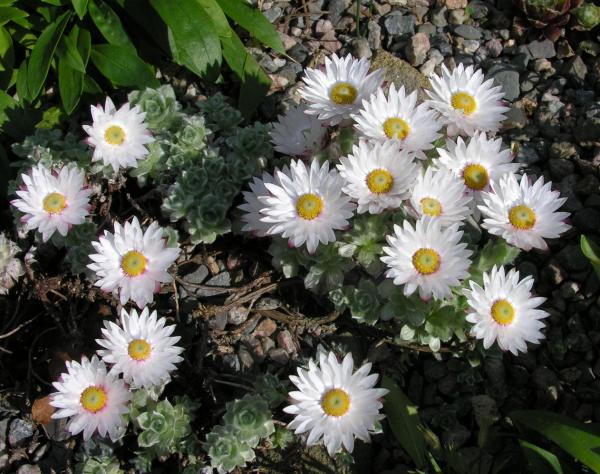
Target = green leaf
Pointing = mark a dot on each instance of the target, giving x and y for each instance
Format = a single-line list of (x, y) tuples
[(122, 66), (539, 459), (6, 103), (592, 252), (109, 24), (197, 48), (403, 417), (215, 12), (41, 55), (7, 57), (80, 7), (254, 22), (582, 441), (494, 252), (90, 86), (68, 53), (22, 86), (255, 83), (11, 14), (70, 80)]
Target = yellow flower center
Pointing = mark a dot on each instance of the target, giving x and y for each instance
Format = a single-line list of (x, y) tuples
[(133, 263), (93, 398), (465, 102), (431, 207), (380, 181), (114, 135), (309, 206), (476, 177), (521, 217), (426, 261), (396, 128), (343, 93), (503, 312), (336, 402), (139, 349), (54, 203)]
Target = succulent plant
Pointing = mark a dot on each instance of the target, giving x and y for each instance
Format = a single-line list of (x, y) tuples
[(250, 419), (366, 239), (220, 116), (549, 15), (160, 105), (99, 465), (273, 390), (587, 16), (165, 427), (226, 451)]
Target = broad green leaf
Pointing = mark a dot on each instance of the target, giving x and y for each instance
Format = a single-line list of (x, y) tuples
[(592, 252), (197, 48), (255, 83), (22, 86), (219, 20), (540, 460), (70, 85), (80, 7), (7, 57), (11, 14), (109, 24), (70, 80), (403, 418), (582, 441), (68, 53), (84, 43), (122, 66), (6, 103), (254, 22), (41, 55), (90, 86)]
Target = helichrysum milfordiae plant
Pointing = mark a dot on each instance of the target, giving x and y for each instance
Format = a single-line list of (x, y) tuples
[(164, 427), (418, 224), (250, 418), (226, 451), (246, 422), (160, 106)]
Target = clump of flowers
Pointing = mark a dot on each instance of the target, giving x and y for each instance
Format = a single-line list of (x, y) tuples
[(418, 221)]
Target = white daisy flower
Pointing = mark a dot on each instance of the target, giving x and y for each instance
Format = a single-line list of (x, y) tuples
[(53, 201), (479, 163), (297, 133), (118, 136), (427, 257), (523, 214), (465, 101), (133, 262), (94, 399), (334, 404), (11, 268), (337, 92), (141, 348), (252, 206), (307, 205), (504, 311), (378, 175), (398, 117), (440, 195)]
